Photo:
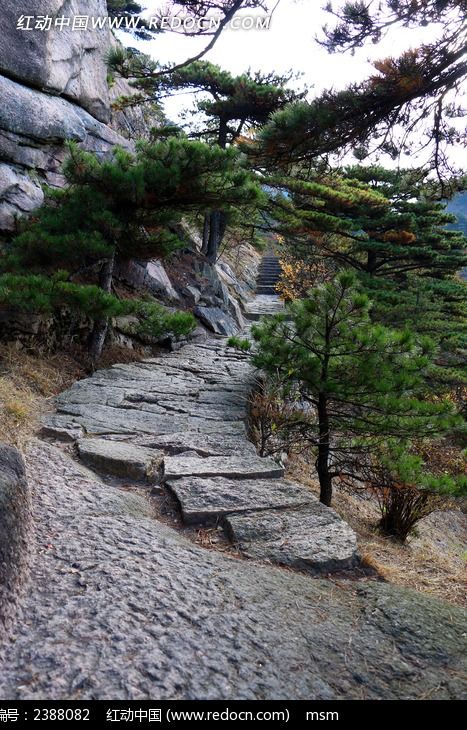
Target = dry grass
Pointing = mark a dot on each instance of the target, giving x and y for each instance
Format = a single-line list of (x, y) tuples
[(28, 381), (424, 563)]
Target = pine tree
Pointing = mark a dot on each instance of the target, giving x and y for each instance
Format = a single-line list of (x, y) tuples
[(385, 226), (122, 208), (409, 104), (229, 106), (356, 383)]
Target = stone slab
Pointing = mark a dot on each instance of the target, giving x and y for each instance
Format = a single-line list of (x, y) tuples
[(203, 444), (241, 466), (206, 500), (121, 458)]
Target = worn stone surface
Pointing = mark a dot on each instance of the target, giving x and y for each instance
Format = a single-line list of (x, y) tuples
[(121, 458), (121, 606), (263, 305), (232, 467), (60, 428), (206, 500), (310, 538), (202, 444), (192, 405), (15, 531)]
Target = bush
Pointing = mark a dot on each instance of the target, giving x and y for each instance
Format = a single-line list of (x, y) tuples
[(406, 492)]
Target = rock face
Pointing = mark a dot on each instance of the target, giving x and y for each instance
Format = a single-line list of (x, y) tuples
[(14, 529), (55, 84), (65, 62)]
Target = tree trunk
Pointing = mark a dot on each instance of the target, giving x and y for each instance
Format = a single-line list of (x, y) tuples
[(217, 226), (214, 229), (371, 262), (204, 246), (322, 462), (101, 326)]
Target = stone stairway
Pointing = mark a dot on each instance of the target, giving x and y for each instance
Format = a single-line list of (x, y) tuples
[(269, 273)]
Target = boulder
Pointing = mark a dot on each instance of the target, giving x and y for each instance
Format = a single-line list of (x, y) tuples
[(19, 195), (217, 320), (65, 62), (149, 275), (121, 459)]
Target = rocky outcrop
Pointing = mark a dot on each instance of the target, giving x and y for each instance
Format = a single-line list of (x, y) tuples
[(14, 531), (55, 86)]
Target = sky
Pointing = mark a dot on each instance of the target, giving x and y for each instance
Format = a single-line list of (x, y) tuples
[(288, 43)]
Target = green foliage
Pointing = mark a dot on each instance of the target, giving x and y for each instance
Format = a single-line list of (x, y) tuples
[(406, 491), (158, 321), (116, 209), (35, 294), (407, 105), (239, 343)]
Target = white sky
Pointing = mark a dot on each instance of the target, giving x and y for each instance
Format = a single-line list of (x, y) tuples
[(288, 43)]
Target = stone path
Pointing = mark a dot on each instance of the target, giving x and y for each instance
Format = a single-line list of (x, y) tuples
[(198, 392), (262, 305), (122, 606)]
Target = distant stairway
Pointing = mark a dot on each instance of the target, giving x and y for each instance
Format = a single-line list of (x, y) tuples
[(269, 274)]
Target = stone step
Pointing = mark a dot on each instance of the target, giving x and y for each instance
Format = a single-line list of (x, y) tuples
[(121, 459), (242, 466), (207, 500), (266, 289), (311, 537)]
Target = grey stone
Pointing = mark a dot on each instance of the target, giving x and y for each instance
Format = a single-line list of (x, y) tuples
[(67, 62), (146, 614), (241, 466), (149, 275), (312, 538), (192, 293), (206, 500), (216, 320), (120, 458), (60, 428), (19, 195), (203, 444), (263, 305), (44, 118)]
